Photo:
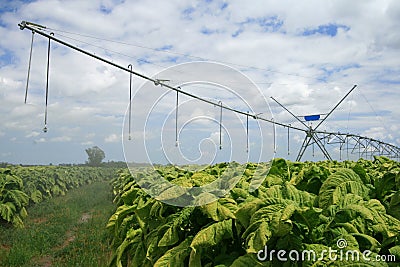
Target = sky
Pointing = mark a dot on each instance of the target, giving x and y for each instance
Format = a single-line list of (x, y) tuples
[(307, 55)]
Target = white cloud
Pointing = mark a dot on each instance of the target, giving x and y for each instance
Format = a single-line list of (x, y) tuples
[(215, 137), (376, 133), (90, 135), (113, 138), (41, 140), (61, 139), (32, 134), (87, 143)]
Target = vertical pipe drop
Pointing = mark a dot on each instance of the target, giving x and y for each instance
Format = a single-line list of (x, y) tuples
[(130, 102), (29, 67), (247, 132), (273, 130), (47, 85), (288, 140), (176, 117), (220, 126)]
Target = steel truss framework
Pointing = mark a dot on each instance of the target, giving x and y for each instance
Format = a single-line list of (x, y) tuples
[(348, 143), (362, 146), (354, 144)]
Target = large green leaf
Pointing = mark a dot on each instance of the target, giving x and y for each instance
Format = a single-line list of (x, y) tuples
[(301, 198), (222, 209), (170, 237), (273, 179), (176, 256), (36, 196), (195, 258), (16, 196), (119, 215), (280, 168), (394, 205), (395, 251), (139, 257), (343, 182), (273, 209), (257, 236), (239, 193), (248, 260), (314, 255), (175, 223), (357, 210), (212, 234), (129, 196), (357, 168), (7, 211), (367, 242), (246, 211), (132, 238), (310, 217)]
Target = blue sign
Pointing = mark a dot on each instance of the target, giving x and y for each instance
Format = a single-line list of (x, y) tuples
[(312, 117)]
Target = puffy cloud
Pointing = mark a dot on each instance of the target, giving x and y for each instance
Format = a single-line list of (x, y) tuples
[(87, 143), (113, 138), (61, 139), (32, 134)]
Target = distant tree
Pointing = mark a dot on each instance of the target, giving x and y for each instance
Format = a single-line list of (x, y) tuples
[(4, 164), (95, 156), (114, 164)]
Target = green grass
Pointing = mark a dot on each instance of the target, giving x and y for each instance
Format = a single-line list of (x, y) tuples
[(64, 231)]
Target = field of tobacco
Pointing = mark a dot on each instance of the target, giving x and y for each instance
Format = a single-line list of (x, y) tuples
[(328, 206), (23, 186)]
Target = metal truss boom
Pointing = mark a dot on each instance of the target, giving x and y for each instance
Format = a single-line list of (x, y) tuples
[(31, 26), (313, 136)]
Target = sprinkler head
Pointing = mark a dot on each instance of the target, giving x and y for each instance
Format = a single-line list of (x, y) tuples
[(45, 129)]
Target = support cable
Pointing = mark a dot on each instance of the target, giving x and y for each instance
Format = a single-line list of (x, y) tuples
[(305, 125), (173, 53), (341, 100)]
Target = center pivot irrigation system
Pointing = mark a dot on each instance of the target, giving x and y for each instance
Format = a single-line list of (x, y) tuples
[(348, 143)]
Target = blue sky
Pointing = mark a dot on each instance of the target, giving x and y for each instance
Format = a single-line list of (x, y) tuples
[(305, 55)]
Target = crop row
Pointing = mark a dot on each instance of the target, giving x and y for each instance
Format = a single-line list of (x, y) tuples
[(323, 206), (23, 186)]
